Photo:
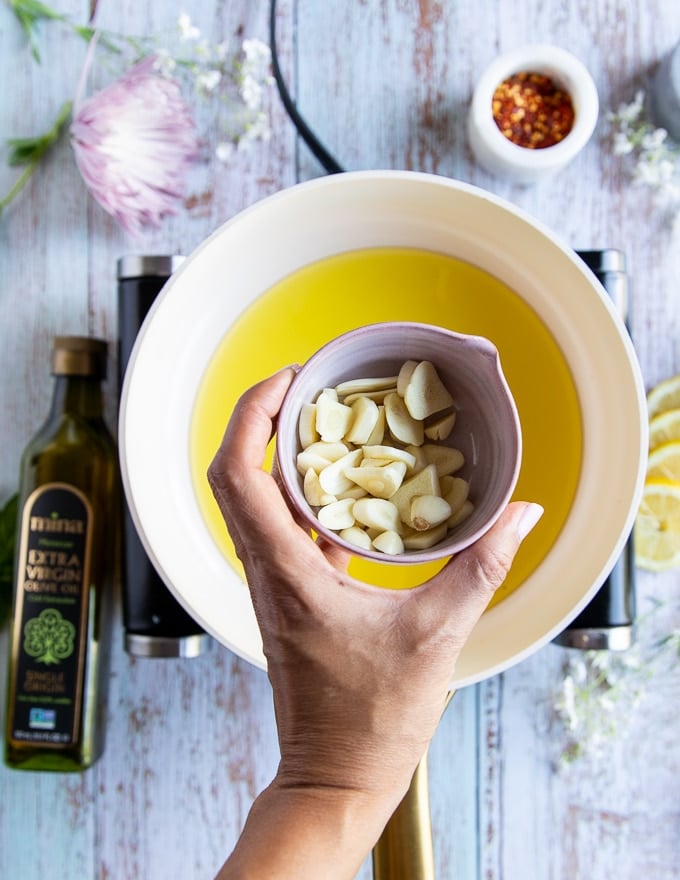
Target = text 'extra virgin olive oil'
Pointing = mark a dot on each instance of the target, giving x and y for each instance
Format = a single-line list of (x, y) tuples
[(64, 568), (312, 305)]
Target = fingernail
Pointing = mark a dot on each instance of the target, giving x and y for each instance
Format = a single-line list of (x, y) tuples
[(530, 516)]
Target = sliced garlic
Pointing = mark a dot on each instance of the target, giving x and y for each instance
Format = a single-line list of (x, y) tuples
[(396, 491), (425, 540), (307, 425), (365, 416), (314, 493), (307, 460), (380, 482), (376, 396), (440, 428), (357, 536), (402, 425), (376, 513), (389, 542), (374, 462), (419, 456), (446, 459), (425, 393), (428, 511), (331, 451), (337, 515), (425, 482), (355, 492), (389, 453), (378, 433), (363, 386), (333, 479), (461, 514), (404, 376), (455, 490), (332, 418)]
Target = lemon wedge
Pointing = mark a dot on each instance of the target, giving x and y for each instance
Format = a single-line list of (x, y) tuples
[(664, 428), (664, 462), (664, 396), (657, 527)]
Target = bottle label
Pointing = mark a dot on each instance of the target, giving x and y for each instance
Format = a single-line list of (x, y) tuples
[(50, 618)]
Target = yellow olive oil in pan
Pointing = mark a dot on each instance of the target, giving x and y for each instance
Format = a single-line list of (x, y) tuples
[(289, 322)]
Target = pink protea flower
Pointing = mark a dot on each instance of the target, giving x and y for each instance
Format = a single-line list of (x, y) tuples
[(134, 143)]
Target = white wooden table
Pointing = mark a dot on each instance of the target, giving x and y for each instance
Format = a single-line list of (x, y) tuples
[(190, 742)]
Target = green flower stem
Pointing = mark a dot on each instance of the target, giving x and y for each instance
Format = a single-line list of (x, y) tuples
[(30, 151), (30, 13)]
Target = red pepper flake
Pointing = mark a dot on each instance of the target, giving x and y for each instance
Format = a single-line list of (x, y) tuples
[(532, 111)]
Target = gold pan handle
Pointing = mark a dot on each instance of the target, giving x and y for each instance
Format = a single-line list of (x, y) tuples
[(404, 850)]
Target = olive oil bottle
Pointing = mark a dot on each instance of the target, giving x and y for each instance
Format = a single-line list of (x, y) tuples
[(64, 569)]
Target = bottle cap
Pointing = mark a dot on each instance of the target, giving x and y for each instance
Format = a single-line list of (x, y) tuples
[(148, 265), (79, 356)]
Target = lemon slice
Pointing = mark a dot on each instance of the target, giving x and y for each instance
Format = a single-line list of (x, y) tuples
[(657, 526), (664, 428), (664, 396), (664, 462)]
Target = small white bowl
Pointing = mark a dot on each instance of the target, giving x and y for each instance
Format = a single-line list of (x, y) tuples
[(487, 429), (497, 153)]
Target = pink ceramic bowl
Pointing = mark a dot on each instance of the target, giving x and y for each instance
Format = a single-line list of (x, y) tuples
[(487, 428)]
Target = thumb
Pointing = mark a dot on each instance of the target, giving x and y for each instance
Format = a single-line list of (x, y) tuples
[(467, 583)]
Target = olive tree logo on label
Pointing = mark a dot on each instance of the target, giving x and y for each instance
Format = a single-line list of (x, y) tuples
[(48, 637)]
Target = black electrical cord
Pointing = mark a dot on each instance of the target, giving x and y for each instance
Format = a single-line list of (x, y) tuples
[(328, 161)]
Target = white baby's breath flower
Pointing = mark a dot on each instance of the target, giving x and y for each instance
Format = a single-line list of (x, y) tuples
[(187, 31), (578, 669), (208, 80), (655, 161), (164, 64), (568, 703), (225, 151), (251, 91), (222, 50), (629, 113), (258, 59), (646, 173), (622, 144), (652, 140), (257, 130)]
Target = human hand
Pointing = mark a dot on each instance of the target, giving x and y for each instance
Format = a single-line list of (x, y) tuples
[(360, 674)]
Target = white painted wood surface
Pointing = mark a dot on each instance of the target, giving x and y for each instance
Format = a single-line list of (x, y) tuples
[(190, 742)]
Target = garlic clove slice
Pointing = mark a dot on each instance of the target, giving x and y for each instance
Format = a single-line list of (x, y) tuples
[(440, 428), (401, 424), (332, 418), (333, 479), (380, 482), (337, 515), (307, 432), (425, 393), (365, 416), (377, 513), (364, 386), (428, 511), (389, 542)]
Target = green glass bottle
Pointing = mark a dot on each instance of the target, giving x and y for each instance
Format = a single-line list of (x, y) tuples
[(64, 570)]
